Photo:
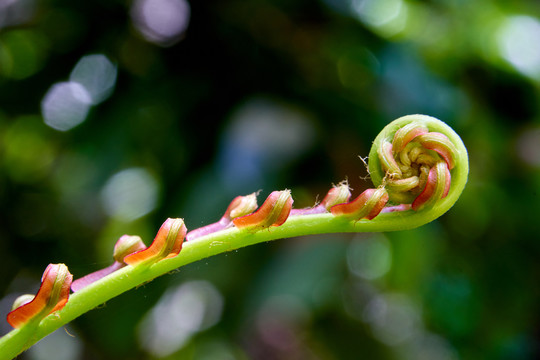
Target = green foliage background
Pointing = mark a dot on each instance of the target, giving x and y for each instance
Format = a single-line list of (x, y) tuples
[(463, 287)]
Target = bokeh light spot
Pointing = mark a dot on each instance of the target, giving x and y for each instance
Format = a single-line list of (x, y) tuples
[(179, 314), (279, 320), (21, 53), (58, 345), (13, 12), (264, 134), (162, 22), (518, 40), (130, 194), (370, 258), (393, 318), (429, 346), (97, 75), (387, 17), (27, 154), (65, 105)]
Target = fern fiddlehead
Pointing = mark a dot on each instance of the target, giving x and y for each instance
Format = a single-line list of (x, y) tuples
[(419, 167)]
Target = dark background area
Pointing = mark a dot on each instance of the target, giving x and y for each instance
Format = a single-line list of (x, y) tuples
[(183, 106)]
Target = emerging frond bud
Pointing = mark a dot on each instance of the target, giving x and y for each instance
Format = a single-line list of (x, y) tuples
[(126, 245), (437, 186), (405, 134), (166, 244), (51, 296), (21, 300), (337, 195), (402, 185), (273, 212), (367, 205), (386, 155), (441, 144), (240, 206)]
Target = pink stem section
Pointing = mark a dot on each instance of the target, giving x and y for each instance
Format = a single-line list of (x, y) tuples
[(95, 276), (401, 207), (319, 209), (222, 224)]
